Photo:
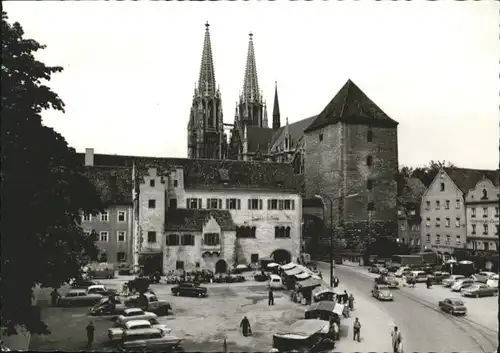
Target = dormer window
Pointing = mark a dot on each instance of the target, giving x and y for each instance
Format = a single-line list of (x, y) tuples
[(369, 160)]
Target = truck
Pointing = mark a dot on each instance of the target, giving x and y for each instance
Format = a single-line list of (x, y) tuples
[(100, 270), (407, 260)]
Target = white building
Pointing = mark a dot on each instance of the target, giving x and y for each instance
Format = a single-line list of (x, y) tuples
[(482, 215)]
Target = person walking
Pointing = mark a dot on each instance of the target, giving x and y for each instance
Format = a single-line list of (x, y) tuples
[(90, 334), (270, 298), (356, 330), (54, 297), (396, 340), (245, 327), (351, 302)]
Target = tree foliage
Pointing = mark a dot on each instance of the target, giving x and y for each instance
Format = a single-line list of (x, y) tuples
[(43, 188), (426, 174)]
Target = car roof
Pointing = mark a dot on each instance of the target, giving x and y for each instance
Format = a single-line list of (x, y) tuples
[(96, 286), (131, 310), (133, 323), (275, 276)]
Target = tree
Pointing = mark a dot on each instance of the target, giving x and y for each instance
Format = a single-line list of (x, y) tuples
[(43, 187), (428, 173)]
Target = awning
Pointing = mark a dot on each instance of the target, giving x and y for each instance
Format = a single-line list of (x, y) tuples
[(288, 266), (310, 282), (302, 275), (294, 271), (323, 306), (324, 288), (338, 309)]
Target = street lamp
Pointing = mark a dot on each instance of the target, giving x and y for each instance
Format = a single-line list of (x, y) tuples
[(322, 198)]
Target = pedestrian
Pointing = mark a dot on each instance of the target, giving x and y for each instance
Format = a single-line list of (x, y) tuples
[(396, 340), (270, 297), (345, 297), (356, 330), (54, 296), (90, 334), (351, 302), (245, 327), (125, 289)]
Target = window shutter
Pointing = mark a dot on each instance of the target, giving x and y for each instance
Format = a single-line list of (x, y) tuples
[(260, 204), (188, 203), (220, 203), (238, 204), (227, 204), (249, 204), (293, 204), (199, 204)]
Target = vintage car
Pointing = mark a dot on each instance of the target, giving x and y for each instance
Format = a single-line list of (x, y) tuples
[(379, 269), (125, 270), (493, 281), (389, 281), (100, 289), (483, 276), (134, 314), (479, 290), (324, 292), (79, 297), (325, 310), (116, 333), (304, 335), (149, 339), (453, 306), (275, 282), (419, 276), (437, 277), (461, 284), (382, 292), (83, 283), (155, 305), (189, 289), (448, 282), (400, 271), (261, 277)]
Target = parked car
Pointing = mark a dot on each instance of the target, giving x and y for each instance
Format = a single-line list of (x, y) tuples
[(389, 281), (116, 333), (100, 289), (382, 292), (453, 306), (155, 305), (149, 339), (461, 284), (493, 281), (448, 282), (484, 276), (76, 297), (437, 277), (124, 270), (419, 276), (479, 290), (134, 314), (189, 289), (83, 283), (261, 277), (275, 282), (378, 269), (399, 272)]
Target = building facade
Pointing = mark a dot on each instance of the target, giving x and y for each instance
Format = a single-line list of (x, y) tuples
[(409, 221), (482, 212)]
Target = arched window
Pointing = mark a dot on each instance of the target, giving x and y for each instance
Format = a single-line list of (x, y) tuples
[(485, 195), (172, 240), (187, 239), (369, 160)]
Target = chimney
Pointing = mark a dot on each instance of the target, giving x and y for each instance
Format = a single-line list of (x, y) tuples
[(89, 157)]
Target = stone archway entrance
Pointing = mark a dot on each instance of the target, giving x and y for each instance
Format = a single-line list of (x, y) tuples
[(221, 266), (281, 256)]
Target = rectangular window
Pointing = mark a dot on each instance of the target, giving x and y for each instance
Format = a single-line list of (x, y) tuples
[(172, 240), (272, 204), (497, 212), (105, 216), (457, 204), (122, 216), (320, 137), (369, 136), (448, 239), (496, 225), (87, 217), (441, 188), (289, 204), (173, 203), (485, 212), (458, 241), (447, 222), (211, 239), (369, 184), (255, 204), (152, 183), (152, 203), (187, 239), (370, 206), (193, 203), (438, 239), (246, 232), (447, 204), (103, 236), (254, 258), (457, 222), (427, 205), (485, 229), (233, 204), (428, 238), (175, 183), (179, 265), (282, 232), (473, 229), (402, 227), (438, 222), (121, 235), (438, 205), (473, 212), (121, 256), (214, 204), (151, 237), (428, 222)]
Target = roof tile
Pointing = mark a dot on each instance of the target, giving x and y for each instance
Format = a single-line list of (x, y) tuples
[(466, 179)]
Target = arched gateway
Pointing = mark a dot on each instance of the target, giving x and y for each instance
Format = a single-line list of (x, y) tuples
[(221, 266), (281, 255)]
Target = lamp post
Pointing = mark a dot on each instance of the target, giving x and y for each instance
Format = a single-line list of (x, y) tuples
[(322, 198)]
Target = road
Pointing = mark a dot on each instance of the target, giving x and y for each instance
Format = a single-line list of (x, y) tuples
[(424, 327)]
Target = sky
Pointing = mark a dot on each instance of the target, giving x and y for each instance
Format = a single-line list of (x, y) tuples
[(130, 68)]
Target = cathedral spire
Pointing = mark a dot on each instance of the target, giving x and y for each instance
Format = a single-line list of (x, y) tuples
[(251, 84), (276, 108), (206, 82)]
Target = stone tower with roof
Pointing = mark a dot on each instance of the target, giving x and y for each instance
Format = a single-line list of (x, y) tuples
[(206, 138), (351, 158)]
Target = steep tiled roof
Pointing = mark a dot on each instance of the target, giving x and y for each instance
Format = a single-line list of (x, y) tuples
[(204, 173), (466, 179), (295, 129), (351, 105), (194, 220), (114, 184), (259, 138)]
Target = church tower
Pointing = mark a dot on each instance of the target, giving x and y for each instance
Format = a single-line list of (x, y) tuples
[(276, 109), (206, 137), (251, 106)]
